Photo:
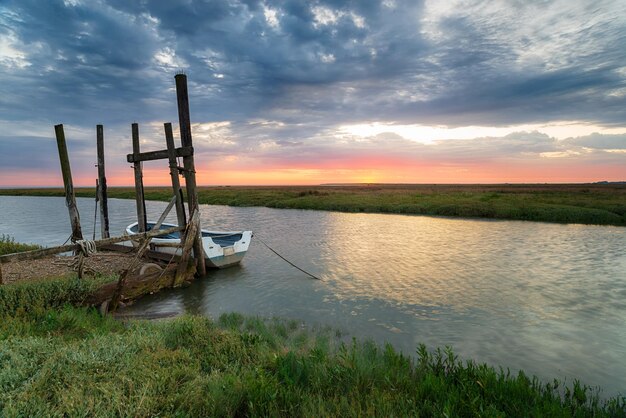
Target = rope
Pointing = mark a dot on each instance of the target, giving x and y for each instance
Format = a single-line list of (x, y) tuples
[(287, 261), (87, 247), (68, 239)]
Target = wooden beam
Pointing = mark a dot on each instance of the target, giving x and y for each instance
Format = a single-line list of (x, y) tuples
[(178, 193), (166, 212), (182, 97), (70, 198), (117, 295), (158, 155), (136, 286), (102, 182), (183, 265), (139, 194), (30, 255)]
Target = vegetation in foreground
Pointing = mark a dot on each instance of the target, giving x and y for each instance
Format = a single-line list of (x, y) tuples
[(9, 246), (71, 361), (602, 204)]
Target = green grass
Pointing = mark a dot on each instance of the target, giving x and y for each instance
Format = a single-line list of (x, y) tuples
[(73, 362), (20, 298), (9, 246), (584, 203)]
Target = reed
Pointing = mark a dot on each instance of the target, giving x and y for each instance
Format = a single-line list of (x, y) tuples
[(601, 204)]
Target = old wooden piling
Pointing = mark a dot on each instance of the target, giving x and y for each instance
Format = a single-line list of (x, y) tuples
[(184, 121), (193, 229), (102, 184), (178, 193), (70, 198), (139, 193)]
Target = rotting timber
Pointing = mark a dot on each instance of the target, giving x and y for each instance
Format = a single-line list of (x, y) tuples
[(136, 280)]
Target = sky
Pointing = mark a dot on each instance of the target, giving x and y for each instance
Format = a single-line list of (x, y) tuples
[(313, 92)]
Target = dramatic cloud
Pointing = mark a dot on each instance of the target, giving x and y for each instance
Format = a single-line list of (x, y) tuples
[(292, 85)]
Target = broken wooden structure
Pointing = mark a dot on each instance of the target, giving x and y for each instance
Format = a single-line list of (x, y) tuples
[(132, 282)]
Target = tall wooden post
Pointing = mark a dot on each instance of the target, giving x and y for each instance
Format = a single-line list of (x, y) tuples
[(102, 184), (70, 198), (184, 121), (171, 153), (139, 194)]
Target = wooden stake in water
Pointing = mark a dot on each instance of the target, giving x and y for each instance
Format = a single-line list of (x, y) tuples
[(70, 198), (178, 193), (184, 121), (102, 184), (139, 193)]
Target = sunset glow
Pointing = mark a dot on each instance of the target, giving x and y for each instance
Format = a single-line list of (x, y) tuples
[(362, 92)]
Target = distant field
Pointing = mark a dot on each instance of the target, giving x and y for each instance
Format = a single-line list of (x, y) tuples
[(602, 204)]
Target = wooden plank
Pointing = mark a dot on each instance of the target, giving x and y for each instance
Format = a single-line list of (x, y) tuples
[(136, 286), (102, 181), (117, 294), (157, 155), (165, 213), (70, 198), (180, 207), (193, 228), (139, 193), (155, 255), (29, 255), (182, 97)]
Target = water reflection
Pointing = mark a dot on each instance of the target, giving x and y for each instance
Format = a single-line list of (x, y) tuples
[(549, 299)]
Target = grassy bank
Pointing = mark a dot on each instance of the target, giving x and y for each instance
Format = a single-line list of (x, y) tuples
[(74, 362), (602, 204), (68, 361)]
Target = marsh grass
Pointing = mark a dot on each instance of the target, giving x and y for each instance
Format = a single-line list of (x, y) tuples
[(584, 203), (30, 297), (73, 362), (9, 246)]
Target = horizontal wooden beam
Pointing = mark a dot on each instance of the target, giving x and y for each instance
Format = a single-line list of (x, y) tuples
[(29, 255), (158, 155)]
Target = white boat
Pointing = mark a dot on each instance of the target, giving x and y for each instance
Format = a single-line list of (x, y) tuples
[(221, 248)]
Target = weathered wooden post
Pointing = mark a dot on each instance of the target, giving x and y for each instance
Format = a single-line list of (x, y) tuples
[(102, 184), (171, 153), (70, 198), (139, 194), (184, 121)]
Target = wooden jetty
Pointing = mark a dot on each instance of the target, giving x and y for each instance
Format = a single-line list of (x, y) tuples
[(136, 281)]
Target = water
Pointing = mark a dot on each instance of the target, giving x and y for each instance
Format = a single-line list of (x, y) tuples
[(548, 299)]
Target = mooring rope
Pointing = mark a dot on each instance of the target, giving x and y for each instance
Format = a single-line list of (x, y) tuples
[(287, 261), (68, 239), (87, 247)]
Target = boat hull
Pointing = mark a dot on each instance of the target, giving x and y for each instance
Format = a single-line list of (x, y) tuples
[(221, 248)]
